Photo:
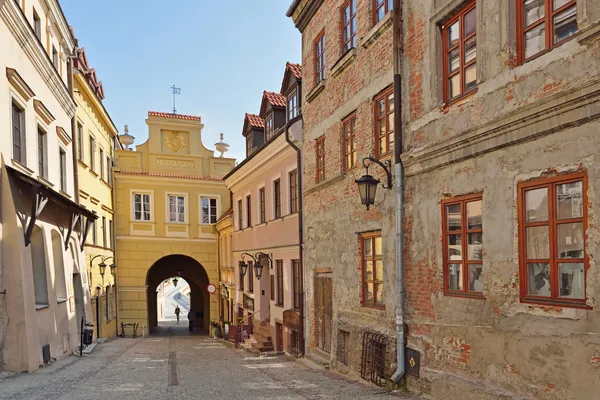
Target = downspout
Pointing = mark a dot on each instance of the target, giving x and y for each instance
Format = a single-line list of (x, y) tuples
[(73, 130), (300, 230), (399, 174)]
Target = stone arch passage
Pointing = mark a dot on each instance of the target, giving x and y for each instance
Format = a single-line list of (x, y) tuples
[(190, 270)]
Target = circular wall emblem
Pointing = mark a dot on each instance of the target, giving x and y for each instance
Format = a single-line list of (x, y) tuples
[(211, 288)]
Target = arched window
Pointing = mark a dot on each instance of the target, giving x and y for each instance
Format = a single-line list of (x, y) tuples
[(107, 303), (38, 262), (60, 286)]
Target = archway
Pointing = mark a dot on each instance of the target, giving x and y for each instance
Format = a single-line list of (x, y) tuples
[(193, 273)]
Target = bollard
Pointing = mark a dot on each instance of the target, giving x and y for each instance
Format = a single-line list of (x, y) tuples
[(144, 331)]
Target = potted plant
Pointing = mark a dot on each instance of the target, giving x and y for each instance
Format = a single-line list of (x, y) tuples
[(216, 329)]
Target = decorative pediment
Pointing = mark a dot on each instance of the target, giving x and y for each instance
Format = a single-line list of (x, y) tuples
[(19, 84), (43, 112), (63, 135)]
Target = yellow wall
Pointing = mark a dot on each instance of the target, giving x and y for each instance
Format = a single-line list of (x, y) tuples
[(159, 168), (95, 194)]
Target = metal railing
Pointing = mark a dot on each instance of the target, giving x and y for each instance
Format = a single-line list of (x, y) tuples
[(374, 358)]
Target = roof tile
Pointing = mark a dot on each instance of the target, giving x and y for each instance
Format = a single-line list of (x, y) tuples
[(276, 99), (158, 175), (175, 116), (255, 121), (296, 69)]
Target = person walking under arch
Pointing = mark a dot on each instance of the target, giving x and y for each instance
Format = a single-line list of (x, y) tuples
[(177, 311)]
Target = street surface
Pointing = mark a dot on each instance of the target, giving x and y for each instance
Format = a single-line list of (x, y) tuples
[(175, 365)]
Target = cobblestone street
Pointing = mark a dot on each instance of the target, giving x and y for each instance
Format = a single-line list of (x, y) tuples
[(173, 365)]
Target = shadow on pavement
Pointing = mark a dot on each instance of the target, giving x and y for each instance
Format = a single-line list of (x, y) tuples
[(172, 328)]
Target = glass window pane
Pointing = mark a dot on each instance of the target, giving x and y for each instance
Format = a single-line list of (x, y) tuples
[(471, 77), (454, 87), (565, 24), (571, 280), (368, 270), (454, 247), (535, 40), (369, 292), (379, 297), (475, 246), (474, 215), (470, 22), (536, 205), (538, 278), (368, 247), (453, 34), (538, 242), (475, 278), (569, 200), (390, 101), (534, 11), (453, 214), (378, 246), (570, 240), (454, 60), (559, 3), (470, 49), (379, 270), (455, 277)]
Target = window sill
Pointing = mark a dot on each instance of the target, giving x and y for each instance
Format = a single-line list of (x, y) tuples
[(279, 305), (557, 303), (325, 183), (93, 172), (137, 221), (310, 96), (261, 224), (588, 34), (344, 62), (104, 181), (459, 99), (291, 215), (45, 181), (65, 193), (80, 162), (21, 167), (41, 306), (373, 307), (178, 223), (274, 221), (61, 300), (465, 295), (377, 30)]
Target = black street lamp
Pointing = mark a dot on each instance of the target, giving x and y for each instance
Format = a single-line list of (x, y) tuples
[(243, 266), (367, 185), (259, 259)]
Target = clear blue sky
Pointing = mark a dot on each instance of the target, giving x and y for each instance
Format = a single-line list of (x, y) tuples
[(222, 54)]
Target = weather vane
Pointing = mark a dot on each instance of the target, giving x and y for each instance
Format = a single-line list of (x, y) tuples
[(176, 90)]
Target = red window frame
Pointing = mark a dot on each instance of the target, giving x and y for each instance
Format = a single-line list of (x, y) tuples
[(320, 154), (261, 195), (371, 255), (384, 117), (547, 21), (553, 223), (297, 276), (348, 26), (460, 46), (464, 232), (348, 143), (319, 50), (387, 6), (277, 198), (279, 277), (293, 181)]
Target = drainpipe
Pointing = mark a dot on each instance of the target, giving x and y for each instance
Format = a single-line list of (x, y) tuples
[(399, 174), (300, 230), (75, 144)]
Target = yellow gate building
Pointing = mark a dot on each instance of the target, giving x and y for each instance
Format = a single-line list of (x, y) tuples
[(168, 197)]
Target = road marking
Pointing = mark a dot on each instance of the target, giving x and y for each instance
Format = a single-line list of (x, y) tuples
[(173, 378), (265, 366)]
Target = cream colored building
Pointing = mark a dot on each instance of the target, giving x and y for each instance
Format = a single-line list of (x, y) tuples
[(169, 195), (43, 277), (95, 138)]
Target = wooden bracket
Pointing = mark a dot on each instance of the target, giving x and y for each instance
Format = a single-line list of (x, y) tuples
[(37, 207), (72, 223), (87, 224)]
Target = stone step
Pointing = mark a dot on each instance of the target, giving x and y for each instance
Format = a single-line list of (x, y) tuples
[(319, 357), (311, 364)]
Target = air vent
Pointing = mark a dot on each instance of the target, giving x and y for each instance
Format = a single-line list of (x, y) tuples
[(46, 353)]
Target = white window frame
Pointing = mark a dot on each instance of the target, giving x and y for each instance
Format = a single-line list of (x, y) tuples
[(260, 186), (150, 193), (272, 196), (20, 101), (185, 208), (209, 196)]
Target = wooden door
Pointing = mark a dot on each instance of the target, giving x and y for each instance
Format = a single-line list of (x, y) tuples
[(324, 299), (279, 328)]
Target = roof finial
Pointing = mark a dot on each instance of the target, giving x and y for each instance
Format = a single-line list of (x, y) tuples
[(126, 138), (221, 146)]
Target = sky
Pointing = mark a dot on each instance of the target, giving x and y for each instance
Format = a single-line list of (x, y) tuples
[(222, 54)]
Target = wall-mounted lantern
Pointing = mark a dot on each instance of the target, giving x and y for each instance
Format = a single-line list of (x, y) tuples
[(260, 259), (367, 185)]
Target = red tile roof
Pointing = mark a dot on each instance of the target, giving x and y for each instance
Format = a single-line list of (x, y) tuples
[(255, 121), (153, 174), (296, 69), (176, 116), (276, 99)]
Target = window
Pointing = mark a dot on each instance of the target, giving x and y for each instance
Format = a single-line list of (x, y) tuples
[(543, 25), (92, 153), (272, 279), (18, 130), (320, 153), (381, 8), (277, 198), (176, 208), (292, 105), (348, 143), (279, 277), (248, 211), (42, 153), (108, 171), (111, 238), (372, 269), (460, 53), (297, 283), (552, 223), (94, 233), (209, 210), (320, 58), (104, 243), (240, 219), (80, 141), (141, 207), (269, 126), (101, 163), (37, 25), (241, 280), (463, 245), (348, 25), (249, 147), (384, 123), (38, 263), (293, 179), (63, 170), (60, 286), (261, 193), (250, 277), (55, 58)]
